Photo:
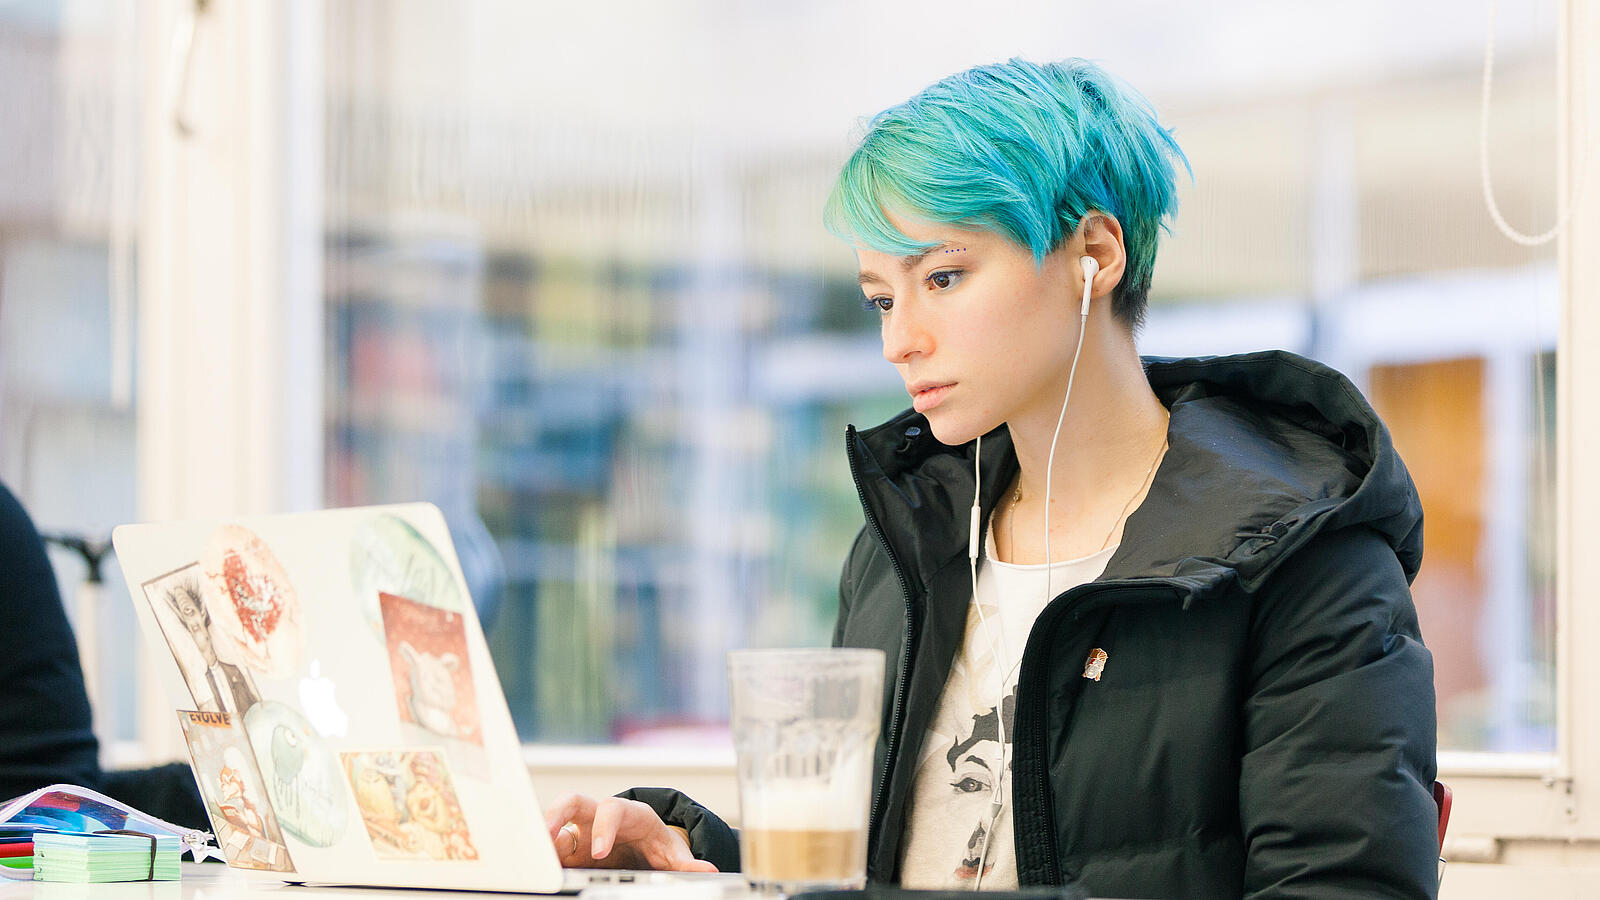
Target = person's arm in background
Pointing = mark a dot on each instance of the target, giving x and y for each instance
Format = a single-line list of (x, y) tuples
[(45, 724), (46, 729), (1336, 777)]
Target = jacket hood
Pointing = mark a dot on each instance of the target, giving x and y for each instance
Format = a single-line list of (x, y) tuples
[(1265, 450)]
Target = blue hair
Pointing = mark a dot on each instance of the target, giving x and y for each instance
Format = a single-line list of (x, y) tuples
[(1022, 149)]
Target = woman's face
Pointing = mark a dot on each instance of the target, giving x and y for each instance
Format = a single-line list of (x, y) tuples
[(979, 333)]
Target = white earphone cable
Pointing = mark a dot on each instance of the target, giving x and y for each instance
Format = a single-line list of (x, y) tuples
[(973, 542), (997, 802)]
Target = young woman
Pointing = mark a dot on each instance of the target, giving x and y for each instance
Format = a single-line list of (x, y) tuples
[(1180, 658)]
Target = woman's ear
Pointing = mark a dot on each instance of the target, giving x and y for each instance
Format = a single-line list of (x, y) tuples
[(1101, 237)]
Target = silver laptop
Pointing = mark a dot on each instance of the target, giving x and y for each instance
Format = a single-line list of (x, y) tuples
[(340, 706)]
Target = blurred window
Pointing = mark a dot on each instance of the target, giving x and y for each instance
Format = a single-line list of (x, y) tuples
[(579, 295)]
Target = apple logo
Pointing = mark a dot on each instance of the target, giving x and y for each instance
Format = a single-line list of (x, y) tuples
[(320, 705)]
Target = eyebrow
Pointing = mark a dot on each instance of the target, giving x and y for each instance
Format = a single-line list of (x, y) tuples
[(907, 263), (975, 759)]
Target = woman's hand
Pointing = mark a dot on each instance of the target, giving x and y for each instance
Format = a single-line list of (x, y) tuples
[(613, 833)]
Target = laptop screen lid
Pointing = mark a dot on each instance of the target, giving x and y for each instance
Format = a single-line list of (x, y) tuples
[(341, 708)]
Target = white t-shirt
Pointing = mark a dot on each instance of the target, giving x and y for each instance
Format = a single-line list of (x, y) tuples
[(948, 817)]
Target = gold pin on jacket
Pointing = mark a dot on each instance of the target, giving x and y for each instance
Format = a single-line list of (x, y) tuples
[(1095, 665)]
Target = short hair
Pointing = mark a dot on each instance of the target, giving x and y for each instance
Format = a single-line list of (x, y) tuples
[(1023, 149)]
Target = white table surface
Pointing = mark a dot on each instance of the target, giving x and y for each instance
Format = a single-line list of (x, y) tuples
[(213, 881)]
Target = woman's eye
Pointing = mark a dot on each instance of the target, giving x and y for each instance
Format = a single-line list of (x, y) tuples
[(944, 278), (968, 785), (878, 304)]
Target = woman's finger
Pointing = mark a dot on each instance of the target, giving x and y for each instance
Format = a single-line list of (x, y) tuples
[(560, 812), (568, 840), (674, 853), (697, 865), (603, 828)]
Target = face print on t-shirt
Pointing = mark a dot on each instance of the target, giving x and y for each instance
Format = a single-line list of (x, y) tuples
[(949, 816), (974, 762)]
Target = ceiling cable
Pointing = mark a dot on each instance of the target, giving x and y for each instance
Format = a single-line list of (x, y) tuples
[(1565, 208)]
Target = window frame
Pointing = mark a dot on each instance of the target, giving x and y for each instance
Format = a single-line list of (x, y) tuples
[(229, 393), (1535, 796)]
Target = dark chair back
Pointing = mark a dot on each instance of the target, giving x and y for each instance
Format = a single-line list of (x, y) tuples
[(1441, 798)]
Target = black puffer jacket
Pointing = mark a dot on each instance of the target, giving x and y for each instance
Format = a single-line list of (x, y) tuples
[(1264, 724)]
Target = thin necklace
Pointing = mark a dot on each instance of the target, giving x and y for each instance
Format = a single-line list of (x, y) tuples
[(1016, 496)]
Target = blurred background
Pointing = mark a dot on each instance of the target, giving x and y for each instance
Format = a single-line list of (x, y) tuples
[(571, 285)]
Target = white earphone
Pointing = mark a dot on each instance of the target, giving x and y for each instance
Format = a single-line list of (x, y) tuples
[(1091, 267)]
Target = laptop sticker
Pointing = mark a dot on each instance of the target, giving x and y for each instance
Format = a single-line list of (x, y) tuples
[(235, 798), (409, 805), (181, 602), (432, 677), (301, 775), (257, 606), (389, 555)]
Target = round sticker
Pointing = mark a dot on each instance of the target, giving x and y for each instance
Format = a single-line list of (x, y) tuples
[(389, 556), (257, 609), (301, 774)]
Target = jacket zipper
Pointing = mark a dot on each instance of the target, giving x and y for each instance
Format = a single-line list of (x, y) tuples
[(891, 739)]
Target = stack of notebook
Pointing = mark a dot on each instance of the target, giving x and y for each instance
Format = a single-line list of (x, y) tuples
[(90, 837), (105, 857)]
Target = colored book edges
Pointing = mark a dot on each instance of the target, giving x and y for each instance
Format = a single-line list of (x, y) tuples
[(86, 858), (65, 810)]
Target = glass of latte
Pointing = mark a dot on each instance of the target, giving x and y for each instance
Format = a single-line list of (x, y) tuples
[(804, 725)]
